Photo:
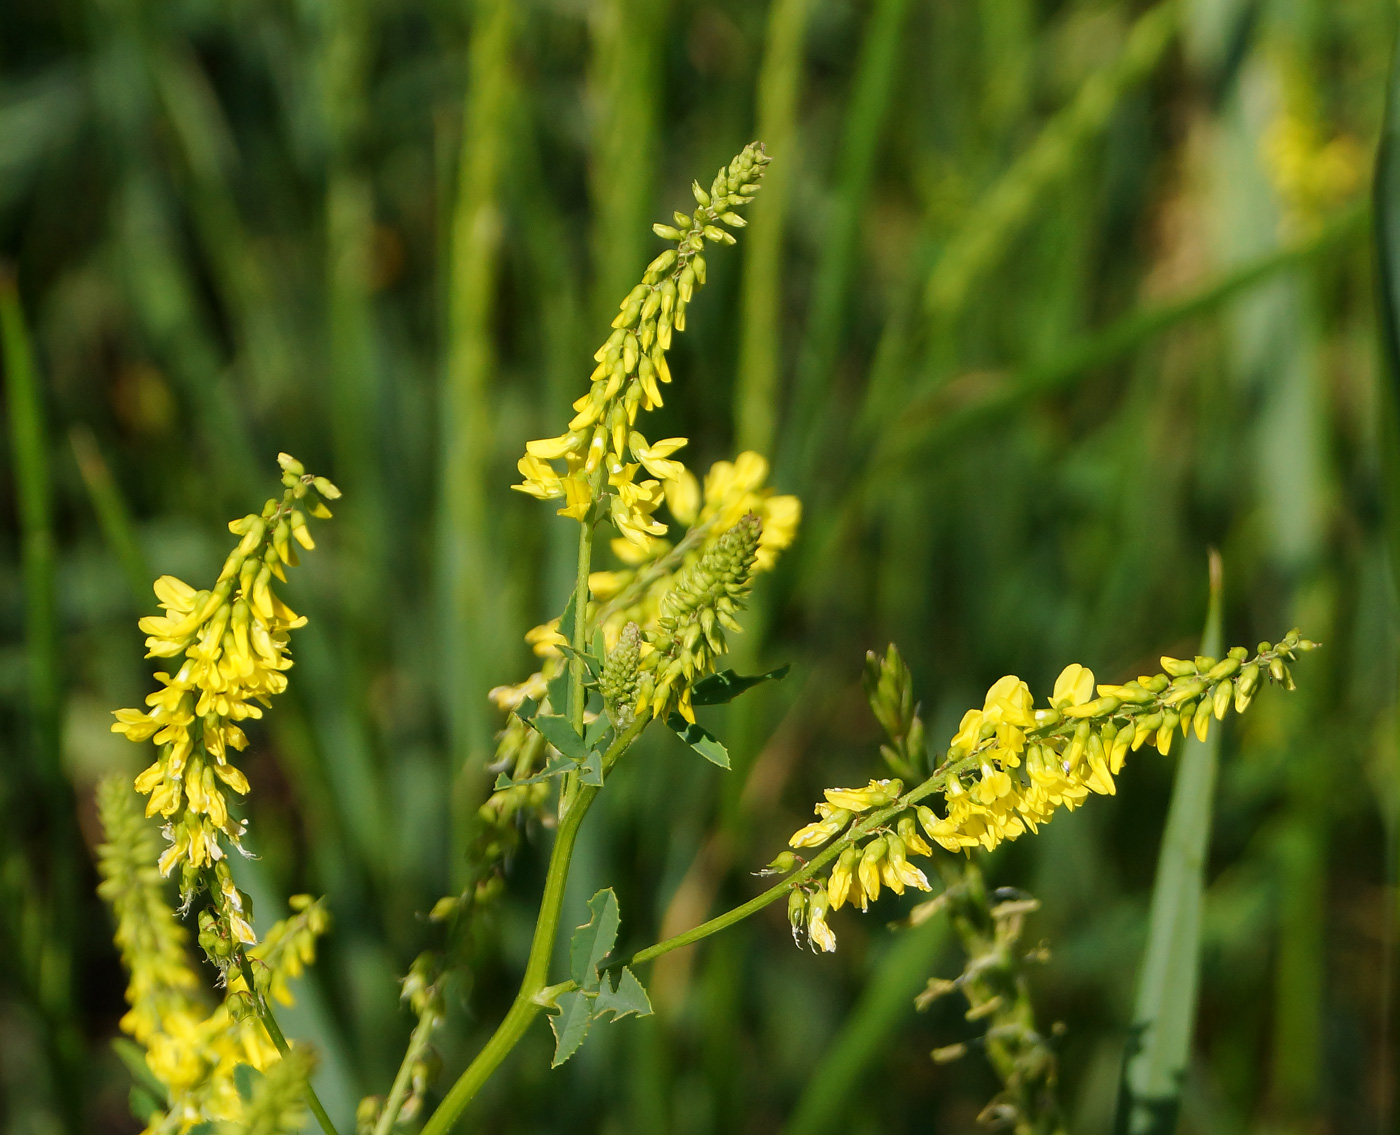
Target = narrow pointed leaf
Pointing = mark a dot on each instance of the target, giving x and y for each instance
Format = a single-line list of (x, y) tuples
[(1165, 1010), (716, 689), (701, 740)]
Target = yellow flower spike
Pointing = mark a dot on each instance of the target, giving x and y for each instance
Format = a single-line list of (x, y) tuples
[(234, 642)]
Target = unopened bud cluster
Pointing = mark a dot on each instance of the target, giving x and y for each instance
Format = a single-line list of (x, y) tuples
[(621, 677), (890, 690), (689, 633)]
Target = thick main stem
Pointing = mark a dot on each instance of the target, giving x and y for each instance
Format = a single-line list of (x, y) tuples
[(525, 1006), (527, 1002)]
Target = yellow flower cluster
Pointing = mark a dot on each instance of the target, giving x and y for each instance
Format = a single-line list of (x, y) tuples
[(191, 1051), (602, 449), (1011, 765), (859, 872), (731, 490), (1015, 764), (232, 642)]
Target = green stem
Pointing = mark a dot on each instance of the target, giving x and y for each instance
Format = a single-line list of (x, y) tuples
[(269, 1022), (528, 1001), (417, 1046)]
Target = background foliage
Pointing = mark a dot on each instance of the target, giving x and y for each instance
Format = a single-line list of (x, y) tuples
[(1041, 299)]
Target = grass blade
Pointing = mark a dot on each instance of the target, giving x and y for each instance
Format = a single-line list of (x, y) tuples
[(1165, 1013), (471, 616), (755, 396), (870, 102)]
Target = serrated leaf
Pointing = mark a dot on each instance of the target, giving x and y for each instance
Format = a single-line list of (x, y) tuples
[(570, 1023), (593, 941), (553, 767), (527, 709), (560, 733), (245, 1079), (716, 689), (559, 693), (627, 997), (591, 770), (566, 619), (595, 731), (701, 740)]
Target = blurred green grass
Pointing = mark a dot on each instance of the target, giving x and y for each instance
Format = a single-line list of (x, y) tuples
[(1043, 300)]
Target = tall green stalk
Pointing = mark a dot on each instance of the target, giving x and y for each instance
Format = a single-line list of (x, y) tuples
[(471, 590), (779, 81)]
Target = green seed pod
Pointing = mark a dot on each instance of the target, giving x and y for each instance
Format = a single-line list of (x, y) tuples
[(797, 912), (782, 863), (1155, 684), (1204, 663), (666, 232)]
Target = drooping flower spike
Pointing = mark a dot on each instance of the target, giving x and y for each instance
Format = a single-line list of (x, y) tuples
[(232, 643)]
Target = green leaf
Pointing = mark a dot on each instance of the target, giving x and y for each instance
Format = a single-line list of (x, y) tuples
[(591, 770), (701, 740), (593, 941), (554, 767), (560, 733), (627, 997), (143, 1105), (595, 731), (245, 1079), (559, 693), (566, 620), (716, 689), (1164, 1016), (134, 1057), (570, 1023)]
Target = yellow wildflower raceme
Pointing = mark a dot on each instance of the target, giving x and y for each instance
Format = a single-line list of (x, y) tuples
[(191, 1050), (232, 643), (602, 447), (1010, 766)]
